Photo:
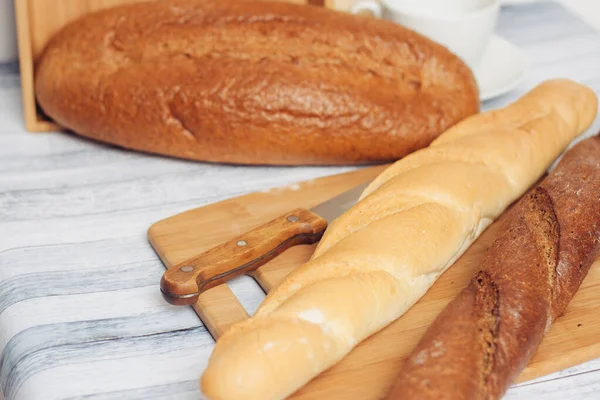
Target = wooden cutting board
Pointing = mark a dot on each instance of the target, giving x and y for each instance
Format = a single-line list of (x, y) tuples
[(369, 370)]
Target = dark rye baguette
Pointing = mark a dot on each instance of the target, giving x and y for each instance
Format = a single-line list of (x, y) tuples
[(484, 338), (252, 82)]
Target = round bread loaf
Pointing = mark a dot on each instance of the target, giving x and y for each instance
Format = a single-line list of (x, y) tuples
[(252, 82)]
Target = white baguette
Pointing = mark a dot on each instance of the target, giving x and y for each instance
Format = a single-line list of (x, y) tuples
[(380, 257)]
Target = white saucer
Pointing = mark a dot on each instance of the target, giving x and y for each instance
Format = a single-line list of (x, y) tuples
[(502, 68)]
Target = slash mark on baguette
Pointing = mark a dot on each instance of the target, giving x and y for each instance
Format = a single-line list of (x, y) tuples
[(487, 299), (546, 229)]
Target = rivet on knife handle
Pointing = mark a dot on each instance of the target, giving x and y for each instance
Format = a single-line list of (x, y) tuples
[(183, 283)]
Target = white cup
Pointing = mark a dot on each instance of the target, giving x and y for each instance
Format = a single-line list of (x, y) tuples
[(8, 34), (463, 26)]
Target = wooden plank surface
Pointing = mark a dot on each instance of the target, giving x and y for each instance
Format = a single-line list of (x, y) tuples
[(369, 370)]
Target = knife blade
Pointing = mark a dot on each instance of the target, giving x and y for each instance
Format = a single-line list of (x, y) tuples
[(183, 283)]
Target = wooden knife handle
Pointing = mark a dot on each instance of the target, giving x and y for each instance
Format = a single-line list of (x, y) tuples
[(183, 283)]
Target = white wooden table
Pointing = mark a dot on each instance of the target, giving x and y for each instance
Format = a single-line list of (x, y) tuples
[(81, 315)]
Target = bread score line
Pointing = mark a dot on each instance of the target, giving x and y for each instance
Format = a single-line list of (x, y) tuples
[(376, 260)]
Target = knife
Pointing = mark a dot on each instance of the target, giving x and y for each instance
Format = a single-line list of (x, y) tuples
[(183, 283)]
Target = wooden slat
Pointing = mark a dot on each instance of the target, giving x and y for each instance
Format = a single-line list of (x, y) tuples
[(220, 309)]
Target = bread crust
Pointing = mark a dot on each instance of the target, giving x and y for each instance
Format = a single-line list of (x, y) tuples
[(483, 339), (252, 82), (382, 255)]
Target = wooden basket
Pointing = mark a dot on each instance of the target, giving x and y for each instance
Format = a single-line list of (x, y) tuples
[(39, 20)]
